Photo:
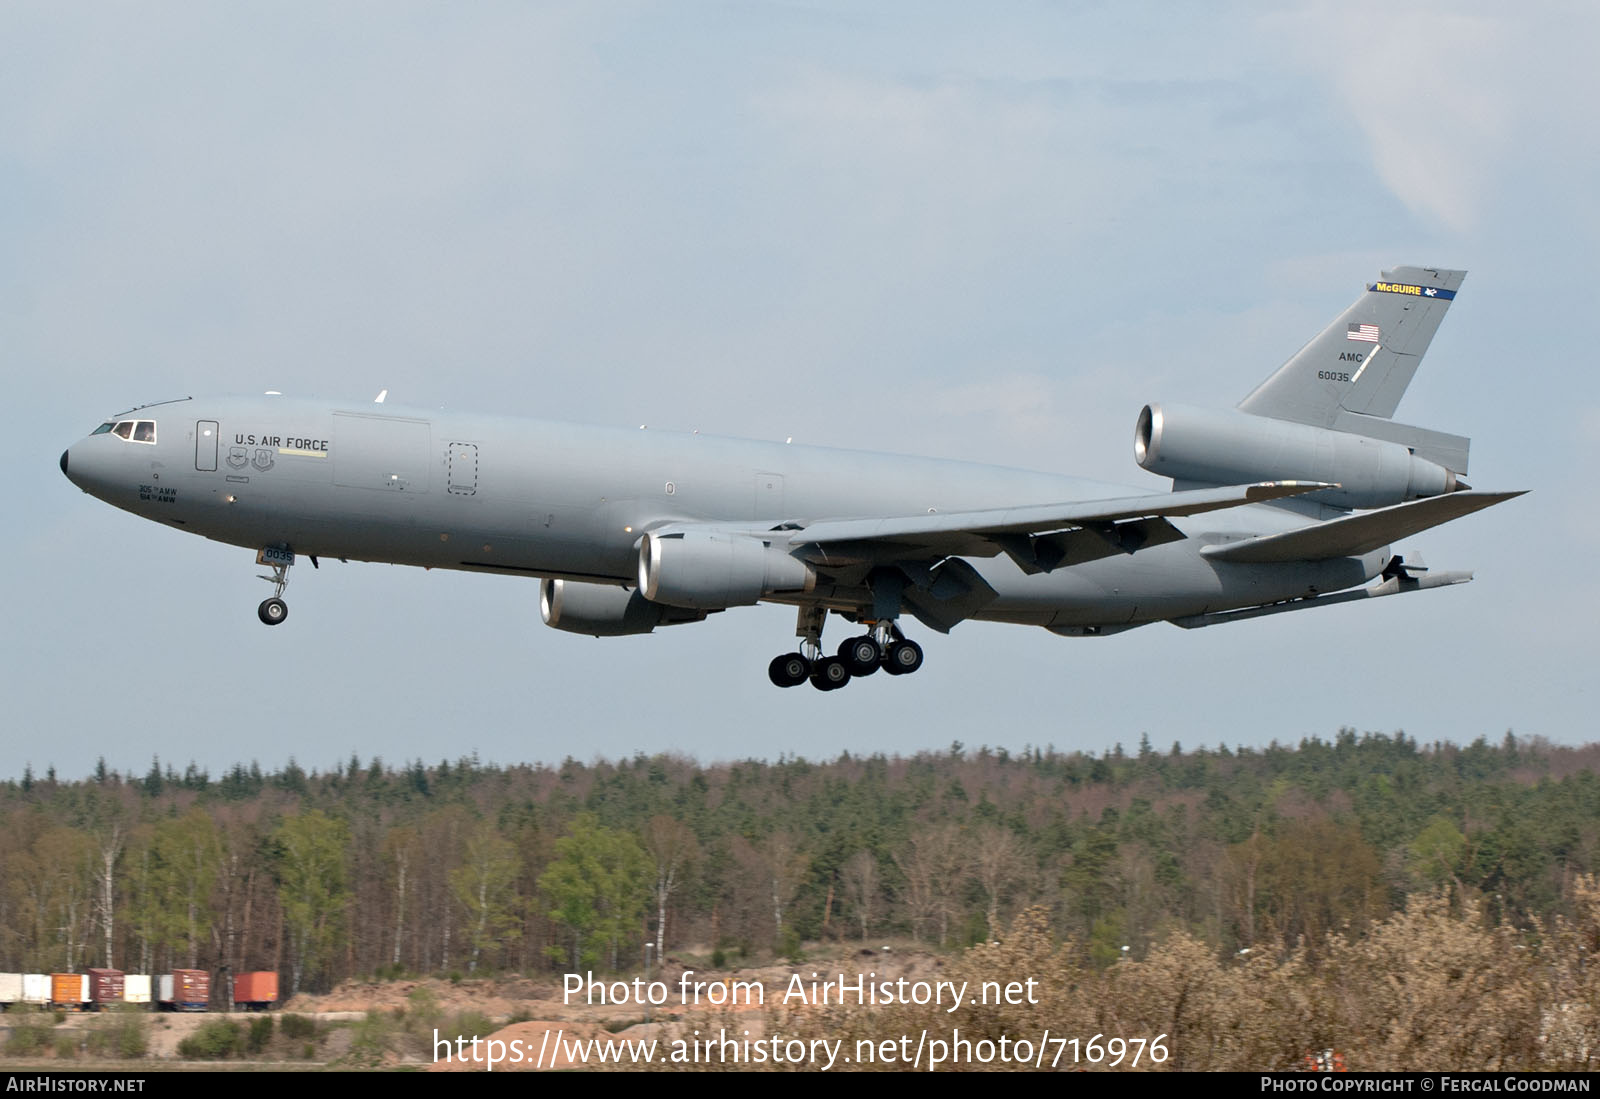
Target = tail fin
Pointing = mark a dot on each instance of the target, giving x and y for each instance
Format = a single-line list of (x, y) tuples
[(1352, 376)]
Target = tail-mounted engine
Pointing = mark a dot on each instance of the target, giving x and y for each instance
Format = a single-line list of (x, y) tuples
[(1211, 447)]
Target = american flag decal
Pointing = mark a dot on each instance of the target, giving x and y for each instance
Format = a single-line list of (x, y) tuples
[(1365, 333)]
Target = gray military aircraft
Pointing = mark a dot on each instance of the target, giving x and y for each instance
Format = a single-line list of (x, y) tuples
[(1291, 500)]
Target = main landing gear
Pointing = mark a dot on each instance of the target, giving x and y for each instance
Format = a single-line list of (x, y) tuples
[(883, 647), (275, 610)]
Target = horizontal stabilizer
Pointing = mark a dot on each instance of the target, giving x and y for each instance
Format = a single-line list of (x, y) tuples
[(1438, 447), (1354, 535)]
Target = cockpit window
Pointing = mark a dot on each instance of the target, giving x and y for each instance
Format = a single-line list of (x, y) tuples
[(137, 431), (102, 429)]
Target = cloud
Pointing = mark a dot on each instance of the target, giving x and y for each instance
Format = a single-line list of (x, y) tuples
[(1429, 86), (952, 163)]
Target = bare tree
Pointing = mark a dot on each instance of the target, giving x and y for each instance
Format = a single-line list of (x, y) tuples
[(999, 864), (862, 884), (786, 867), (485, 887), (400, 846), (673, 850), (935, 866), (108, 848)]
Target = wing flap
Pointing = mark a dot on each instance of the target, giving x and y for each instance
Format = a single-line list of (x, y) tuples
[(1354, 535), (931, 531), (1063, 549)]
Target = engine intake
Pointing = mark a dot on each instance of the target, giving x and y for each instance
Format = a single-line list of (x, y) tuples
[(1227, 447), (709, 571)]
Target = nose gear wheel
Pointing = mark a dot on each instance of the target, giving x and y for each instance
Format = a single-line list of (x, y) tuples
[(275, 610)]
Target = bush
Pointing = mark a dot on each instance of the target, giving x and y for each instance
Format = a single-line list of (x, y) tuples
[(298, 1026), (123, 1034), (422, 1008), (260, 1034), (29, 1039), (467, 1024), (372, 1040), (216, 1040), (791, 946)]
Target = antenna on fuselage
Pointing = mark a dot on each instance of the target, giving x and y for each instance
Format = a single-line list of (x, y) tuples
[(382, 393)]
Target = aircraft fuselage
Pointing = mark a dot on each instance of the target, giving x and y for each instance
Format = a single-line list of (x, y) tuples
[(440, 489)]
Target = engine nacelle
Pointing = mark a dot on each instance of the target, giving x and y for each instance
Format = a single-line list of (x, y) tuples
[(710, 571), (600, 610), (1228, 447)]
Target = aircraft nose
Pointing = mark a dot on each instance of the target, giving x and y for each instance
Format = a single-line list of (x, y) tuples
[(76, 471)]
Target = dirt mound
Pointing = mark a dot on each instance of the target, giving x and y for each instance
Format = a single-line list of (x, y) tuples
[(489, 997)]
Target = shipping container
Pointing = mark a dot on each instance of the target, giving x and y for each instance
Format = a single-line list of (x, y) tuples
[(36, 988), (69, 990), (10, 988), (105, 987), (136, 988), (186, 990), (255, 991)]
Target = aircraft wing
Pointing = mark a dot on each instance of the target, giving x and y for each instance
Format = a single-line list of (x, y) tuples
[(1354, 535), (1039, 537)]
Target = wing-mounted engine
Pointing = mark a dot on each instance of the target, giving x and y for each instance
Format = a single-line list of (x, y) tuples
[(710, 570), (600, 610), (1196, 446)]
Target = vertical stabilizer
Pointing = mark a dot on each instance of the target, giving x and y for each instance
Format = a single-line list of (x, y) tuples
[(1362, 362)]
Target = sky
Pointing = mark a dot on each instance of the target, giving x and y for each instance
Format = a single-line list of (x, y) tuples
[(979, 232)]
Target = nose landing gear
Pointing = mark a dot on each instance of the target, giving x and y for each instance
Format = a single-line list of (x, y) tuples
[(275, 610)]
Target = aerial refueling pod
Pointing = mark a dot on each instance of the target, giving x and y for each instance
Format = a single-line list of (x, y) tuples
[(710, 570), (601, 610), (1212, 447)]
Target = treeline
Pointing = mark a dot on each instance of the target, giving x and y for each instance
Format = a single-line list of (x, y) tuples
[(468, 867)]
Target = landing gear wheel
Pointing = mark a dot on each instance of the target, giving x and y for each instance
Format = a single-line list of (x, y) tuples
[(830, 674), (861, 655), (272, 611), (903, 658), (788, 670)]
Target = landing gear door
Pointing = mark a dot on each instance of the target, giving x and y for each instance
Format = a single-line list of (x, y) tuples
[(205, 446)]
